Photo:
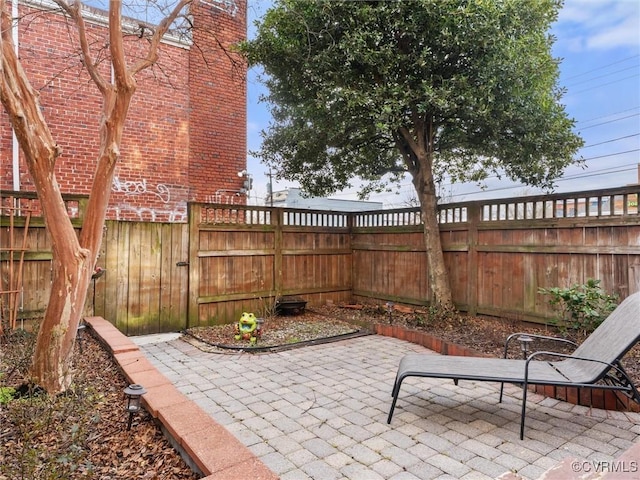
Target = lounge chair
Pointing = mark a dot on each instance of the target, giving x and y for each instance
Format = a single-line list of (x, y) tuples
[(594, 364)]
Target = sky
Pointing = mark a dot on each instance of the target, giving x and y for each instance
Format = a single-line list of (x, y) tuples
[(598, 42)]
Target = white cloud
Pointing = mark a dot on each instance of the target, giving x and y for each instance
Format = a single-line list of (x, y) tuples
[(624, 34), (600, 25)]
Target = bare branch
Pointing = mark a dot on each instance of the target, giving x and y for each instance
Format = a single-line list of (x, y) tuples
[(162, 28), (74, 11), (116, 43), (20, 100)]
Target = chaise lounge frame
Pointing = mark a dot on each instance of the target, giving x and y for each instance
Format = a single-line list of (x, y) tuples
[(596, 363)]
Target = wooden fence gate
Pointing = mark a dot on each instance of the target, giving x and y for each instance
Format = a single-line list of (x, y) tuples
[(145, 285)]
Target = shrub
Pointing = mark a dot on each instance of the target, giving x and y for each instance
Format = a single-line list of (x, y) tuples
[(580, 307), (6, 394)]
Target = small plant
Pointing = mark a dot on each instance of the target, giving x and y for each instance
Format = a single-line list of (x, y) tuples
[(268, 308), (581, 307), (420, 320), (6, 394)]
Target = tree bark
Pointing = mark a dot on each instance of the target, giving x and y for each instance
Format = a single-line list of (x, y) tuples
[(416, 146), (71, 263), (438, 275), (73, 256)]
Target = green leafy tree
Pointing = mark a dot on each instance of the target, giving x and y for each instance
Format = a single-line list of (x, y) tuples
[(375, 90)]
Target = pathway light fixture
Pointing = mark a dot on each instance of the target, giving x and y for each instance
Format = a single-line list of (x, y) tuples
[(525, 341), (133, 393)]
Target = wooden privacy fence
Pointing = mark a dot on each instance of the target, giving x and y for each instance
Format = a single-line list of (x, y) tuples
[(243, 258), (144, 289), (500, 252), (228, 259), (24, 242)]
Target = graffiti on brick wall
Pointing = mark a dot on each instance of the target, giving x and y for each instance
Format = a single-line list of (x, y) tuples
[(227, 6), (227, 197), (139, 187), (147, 214), (145, 211)]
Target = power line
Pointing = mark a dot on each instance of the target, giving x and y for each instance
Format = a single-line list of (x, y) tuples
[(637, 108), (606, 84), (613, 154), (611, 141), (577, 176), (602, 67), (619, 168), (522, 185), (604, 76), (610, 121)]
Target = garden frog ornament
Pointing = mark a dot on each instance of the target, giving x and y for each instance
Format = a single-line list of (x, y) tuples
[(247, 328)]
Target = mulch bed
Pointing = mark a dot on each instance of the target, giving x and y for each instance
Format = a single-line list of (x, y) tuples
[(81, 434), (277, 333)]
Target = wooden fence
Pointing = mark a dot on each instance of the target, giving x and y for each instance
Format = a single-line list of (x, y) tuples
[(243, 258), (144, 289), (20, 213), (500, 252), (228, 259)]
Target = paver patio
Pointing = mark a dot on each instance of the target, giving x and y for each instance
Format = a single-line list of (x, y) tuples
[(319, 412)]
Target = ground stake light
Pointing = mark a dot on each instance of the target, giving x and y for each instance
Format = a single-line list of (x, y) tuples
[(389, 306), (134, 394), (525, 340)]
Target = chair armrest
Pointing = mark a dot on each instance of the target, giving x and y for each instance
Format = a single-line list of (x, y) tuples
[(564, 355), (623, 384), (533, 335)]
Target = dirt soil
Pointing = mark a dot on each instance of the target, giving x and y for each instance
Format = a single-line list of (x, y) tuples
[(82, 434), (277, 332), (483, 334)]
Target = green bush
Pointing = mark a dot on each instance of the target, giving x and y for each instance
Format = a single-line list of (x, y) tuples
[(580, 307), (6, 394)]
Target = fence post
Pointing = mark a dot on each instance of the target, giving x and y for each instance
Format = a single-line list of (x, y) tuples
[(194, 216), (473, 219), (278, 221)]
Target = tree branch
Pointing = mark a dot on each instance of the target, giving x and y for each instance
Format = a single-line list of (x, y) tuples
[(116, 44), (75, 12), (161, 29), (20, 100)]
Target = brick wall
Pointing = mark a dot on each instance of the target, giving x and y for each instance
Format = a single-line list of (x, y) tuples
[(185, 135), (223, 123)]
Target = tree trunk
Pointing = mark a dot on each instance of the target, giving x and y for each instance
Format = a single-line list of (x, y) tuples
[(51, 364), (73, 258), (71, 263), (416, 147), (438, 275)]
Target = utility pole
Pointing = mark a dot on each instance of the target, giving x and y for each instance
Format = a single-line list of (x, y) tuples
[(270, 187)]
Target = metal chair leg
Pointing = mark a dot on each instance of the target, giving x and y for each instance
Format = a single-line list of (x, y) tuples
[(524, 409)]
